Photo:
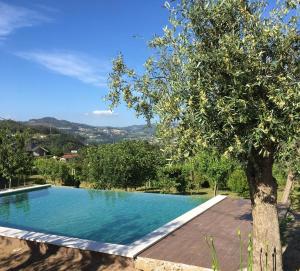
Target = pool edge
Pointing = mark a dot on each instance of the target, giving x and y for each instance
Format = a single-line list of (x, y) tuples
[(24, 189), (130, 251), (155, 236)]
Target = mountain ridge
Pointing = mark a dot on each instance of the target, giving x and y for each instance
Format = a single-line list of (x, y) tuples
[(95, 134), (53, 120)]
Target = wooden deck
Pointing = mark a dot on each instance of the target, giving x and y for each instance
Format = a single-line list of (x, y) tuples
[(187, 245)]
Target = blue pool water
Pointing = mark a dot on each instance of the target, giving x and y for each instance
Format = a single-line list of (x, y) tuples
[(105, 216)]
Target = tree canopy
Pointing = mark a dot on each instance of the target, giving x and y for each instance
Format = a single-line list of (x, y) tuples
[(15, 161), (126, 164), (225, 74)]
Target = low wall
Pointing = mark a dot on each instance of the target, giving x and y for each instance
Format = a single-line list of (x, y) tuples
[(146, 264), (16, 254)]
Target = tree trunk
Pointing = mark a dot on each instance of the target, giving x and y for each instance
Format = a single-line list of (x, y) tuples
[(215, 188), (9, 185), (267, 253), (288, 187), (192, 181)]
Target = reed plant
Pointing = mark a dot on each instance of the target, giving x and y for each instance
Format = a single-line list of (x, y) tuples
[(215, 262)]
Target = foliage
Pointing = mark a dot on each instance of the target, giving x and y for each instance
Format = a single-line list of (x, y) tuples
[(224, 74), (58, 144), (295, 197), (288, 160), (172, 177), (205, 166), (15, 162), (127, 164), (213, 251), (280, 173), (214, 257), (250, 253), (39, 180), (165, 185), (284, 224), (54, 170), (213, 168), (16, 126), (237, 182)]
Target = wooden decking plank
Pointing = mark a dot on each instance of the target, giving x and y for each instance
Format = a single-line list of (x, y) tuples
[(187, 245)]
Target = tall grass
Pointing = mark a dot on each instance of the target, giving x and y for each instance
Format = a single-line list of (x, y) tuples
[(215, 262), (211, 245)]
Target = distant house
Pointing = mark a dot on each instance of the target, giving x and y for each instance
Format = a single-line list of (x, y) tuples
[(69, 156), (37, 151)]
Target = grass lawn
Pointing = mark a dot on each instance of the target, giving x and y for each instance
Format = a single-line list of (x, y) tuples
[(208, 192), (295, 197)]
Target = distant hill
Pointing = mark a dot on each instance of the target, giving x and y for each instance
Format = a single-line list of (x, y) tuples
[(55, 123), (94, 134), (20, 126), (56, 134), (55, 140)]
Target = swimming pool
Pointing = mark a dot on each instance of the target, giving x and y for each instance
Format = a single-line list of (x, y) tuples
[(102, 216)]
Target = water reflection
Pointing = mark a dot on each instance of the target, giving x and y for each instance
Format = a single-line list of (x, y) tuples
[(5, 206), (22, 202), (198, 199), (109, 196), (19, 201)]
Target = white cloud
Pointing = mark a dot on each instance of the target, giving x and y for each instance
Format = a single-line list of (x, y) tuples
[(103, 113), (15, 17), (70, 64)]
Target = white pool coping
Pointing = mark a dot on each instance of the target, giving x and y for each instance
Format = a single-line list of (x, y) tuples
[(24, 189), (130, 251)]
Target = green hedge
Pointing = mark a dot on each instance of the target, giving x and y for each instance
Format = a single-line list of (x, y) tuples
[(237, 182)]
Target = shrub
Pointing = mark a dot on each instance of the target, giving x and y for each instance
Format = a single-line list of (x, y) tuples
[(213, 168), (174, 175), (279, 174), (237, 182), (166, 185), (39, 181), (54, 170)]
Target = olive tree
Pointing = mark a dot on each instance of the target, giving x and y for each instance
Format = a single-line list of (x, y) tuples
[(225, 74)]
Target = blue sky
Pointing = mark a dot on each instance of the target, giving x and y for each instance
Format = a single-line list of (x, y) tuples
[(55, 55)]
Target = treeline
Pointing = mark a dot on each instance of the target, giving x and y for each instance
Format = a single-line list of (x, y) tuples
[(15, 162), (124, 165), (139, 164), (133, 164), (16, 126), (208, 169)]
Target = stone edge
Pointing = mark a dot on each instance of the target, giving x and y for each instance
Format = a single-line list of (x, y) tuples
[(24, 189)]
